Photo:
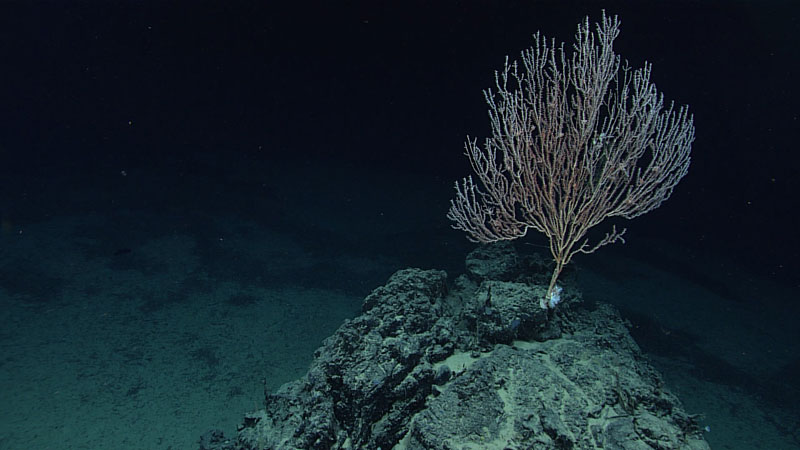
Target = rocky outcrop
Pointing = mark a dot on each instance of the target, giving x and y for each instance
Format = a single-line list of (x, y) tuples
[(480, 366)]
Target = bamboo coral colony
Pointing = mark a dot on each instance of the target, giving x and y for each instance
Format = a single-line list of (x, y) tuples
[(576, 137)]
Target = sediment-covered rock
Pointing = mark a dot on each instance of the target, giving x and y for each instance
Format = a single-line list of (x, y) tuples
[(479, 367)]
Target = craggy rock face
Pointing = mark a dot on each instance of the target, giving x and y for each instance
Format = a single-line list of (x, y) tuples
[(427, 368)]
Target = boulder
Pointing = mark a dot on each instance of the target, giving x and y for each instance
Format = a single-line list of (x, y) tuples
[(477, 366)]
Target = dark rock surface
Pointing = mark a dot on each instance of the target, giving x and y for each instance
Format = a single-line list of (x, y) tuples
[(479, 367)]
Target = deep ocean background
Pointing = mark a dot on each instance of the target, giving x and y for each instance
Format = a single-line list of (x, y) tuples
[(194, 194)]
